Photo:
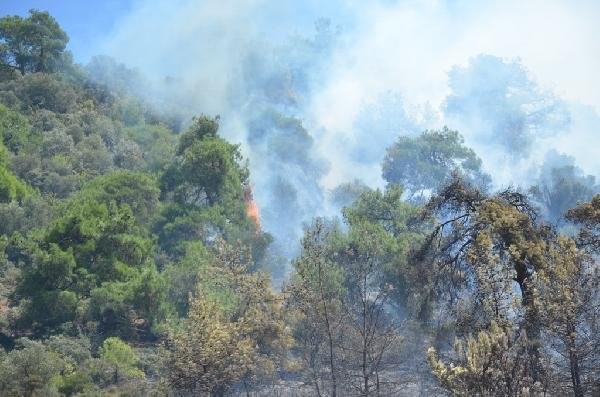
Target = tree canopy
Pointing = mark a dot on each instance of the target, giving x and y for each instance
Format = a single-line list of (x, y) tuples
[(424, 163), (32, 44)]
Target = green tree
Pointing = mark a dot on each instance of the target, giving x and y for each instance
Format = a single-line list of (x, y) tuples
[(183, 274), (207, 189), (424, 163), (371, 330), (121, 357), (76, 354), (44, 286), (208, 168), (139, 191), (32, 44), (14, 129), (344, 286), (44, 91), (30, 370), (315, 295), (97, 250), (157, 142), (11, 188), (394, 221)]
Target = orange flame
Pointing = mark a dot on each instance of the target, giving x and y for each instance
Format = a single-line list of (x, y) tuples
[(251, 207)]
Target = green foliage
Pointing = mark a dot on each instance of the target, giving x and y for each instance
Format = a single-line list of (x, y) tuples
[(207, 184), (11, 188), (37, 91), (157, 142), (137, 190), (183, 275), (104, 238), (92, 157), (122, 357), (202, 127), (342, 290), (208, 169), (391, 223), (424, 163), (14, 129), (96, 250), (44, 284), (74, 383), (74, 350), (31, 369), (32, 44), (131, 309)]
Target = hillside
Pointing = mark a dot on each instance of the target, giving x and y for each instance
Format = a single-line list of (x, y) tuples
[(136, 260)]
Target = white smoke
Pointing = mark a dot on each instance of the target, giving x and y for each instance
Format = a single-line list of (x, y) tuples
[(386, 49)]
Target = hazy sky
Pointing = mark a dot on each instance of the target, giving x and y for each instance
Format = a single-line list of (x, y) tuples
[(558, 40)]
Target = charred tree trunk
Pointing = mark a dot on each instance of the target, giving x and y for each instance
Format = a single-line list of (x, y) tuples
[(574, 362)]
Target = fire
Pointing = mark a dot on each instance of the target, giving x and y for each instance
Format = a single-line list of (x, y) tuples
[(251, 207)]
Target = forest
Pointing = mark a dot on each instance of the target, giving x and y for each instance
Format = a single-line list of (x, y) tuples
[(145, 252)]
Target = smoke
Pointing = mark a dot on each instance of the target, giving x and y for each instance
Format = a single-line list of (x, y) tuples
[(499, 104), (315, 91), (561, 185), (429, 52)]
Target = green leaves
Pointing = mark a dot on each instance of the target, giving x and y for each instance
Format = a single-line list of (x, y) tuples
[(32, 44), (11, 188), (29, 370), (96, 249), (139, 191), (205, 193), (157, 142), (207, 170), (14, 129), (422, 164), (203, 127), (122, 357)]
